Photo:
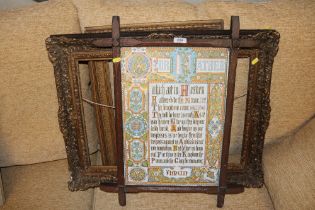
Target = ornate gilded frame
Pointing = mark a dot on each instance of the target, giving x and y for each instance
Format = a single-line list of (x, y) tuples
[(65, 51)]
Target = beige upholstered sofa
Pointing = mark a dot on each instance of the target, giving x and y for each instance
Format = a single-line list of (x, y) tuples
[(32, 154)]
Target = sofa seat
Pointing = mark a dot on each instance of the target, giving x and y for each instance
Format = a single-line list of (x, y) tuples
[(44, 186)]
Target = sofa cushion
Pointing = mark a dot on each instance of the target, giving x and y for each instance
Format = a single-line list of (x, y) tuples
[(290, 169), (29, 130), (42, 186)]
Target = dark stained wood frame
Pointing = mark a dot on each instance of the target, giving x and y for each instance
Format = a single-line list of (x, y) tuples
[(65, 51)]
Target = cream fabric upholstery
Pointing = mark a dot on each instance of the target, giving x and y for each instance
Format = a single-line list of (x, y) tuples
[(29, 130), (33, 83), (42, 186), (290, 170)]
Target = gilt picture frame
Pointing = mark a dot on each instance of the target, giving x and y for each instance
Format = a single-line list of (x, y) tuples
[(65, 51)]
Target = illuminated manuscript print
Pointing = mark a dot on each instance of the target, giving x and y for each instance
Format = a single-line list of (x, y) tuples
[(173, 114)]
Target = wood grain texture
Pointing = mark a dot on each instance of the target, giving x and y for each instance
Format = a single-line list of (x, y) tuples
[(100, 80), (235, 33), (231, 189), (118, 111)]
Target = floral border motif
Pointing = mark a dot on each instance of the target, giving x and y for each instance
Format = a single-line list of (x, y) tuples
[(179, 67)]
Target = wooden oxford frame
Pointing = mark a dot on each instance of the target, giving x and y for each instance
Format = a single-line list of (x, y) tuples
[(66, 50), (118, 42)]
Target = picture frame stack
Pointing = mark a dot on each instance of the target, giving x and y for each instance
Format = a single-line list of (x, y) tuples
[(186, 61)]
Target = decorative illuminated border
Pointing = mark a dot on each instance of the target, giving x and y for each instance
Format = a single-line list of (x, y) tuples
[(144, 66)]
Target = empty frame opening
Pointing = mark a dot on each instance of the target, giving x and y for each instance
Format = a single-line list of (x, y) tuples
[(239, 110), (97, 89)]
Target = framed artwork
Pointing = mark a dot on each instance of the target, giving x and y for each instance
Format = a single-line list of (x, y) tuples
[(172, 108), (174, 111)]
